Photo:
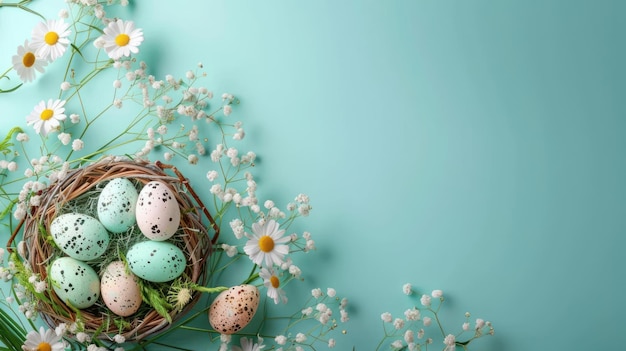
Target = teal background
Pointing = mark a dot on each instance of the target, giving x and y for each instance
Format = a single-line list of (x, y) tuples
[(470, 146)]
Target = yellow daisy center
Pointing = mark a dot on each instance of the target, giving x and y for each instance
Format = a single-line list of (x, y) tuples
[(122, 39), (46, 114), (44, 346), (51, 38), (274, 281), (266, 243), (28, 60)]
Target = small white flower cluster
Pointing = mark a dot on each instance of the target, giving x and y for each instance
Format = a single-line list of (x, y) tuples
[(11, 166), (247, 344), (321, 310), (158, 99), (50, 167), (76, 330), (413, 336), (28, 285), (7, 273)]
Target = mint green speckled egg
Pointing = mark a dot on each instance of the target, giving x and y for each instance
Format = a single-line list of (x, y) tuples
[(116, 205), (156, 261), (75, 282), (79, 236)]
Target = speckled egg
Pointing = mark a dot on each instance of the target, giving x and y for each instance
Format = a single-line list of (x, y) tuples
[(75, 282), (120, 290), (116, 205), (234, 308), (158, 212), (79, 236), (156, 261)]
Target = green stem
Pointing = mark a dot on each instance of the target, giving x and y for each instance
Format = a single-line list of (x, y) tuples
[(208, 290), (253, 276), (443, 333), (21, 5)]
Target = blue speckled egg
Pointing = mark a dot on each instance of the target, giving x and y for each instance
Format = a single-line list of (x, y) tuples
[(79, 236), (156, 261), (158, 211), (116, 205), (75, 282)]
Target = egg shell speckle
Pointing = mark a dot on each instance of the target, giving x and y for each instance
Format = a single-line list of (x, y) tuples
[(157, 211), (156, 261), (75, 282), (79, 236), (120, 290), (234, 308), (116, 205)]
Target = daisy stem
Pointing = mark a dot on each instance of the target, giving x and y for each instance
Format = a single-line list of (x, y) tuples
[(253, 276), (196, 329), (7, 71)]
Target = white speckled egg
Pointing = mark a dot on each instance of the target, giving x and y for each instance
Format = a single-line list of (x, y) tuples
[(120, 290), (156, 261), (158, 212), (116, 205), (234, 308), (75, 282), (79, 236)]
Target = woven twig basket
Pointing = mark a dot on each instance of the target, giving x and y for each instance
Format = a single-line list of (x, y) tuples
[(193, 238)]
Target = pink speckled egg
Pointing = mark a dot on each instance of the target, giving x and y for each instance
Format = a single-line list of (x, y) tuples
[(234, 308), (157, 211), (120, 290)]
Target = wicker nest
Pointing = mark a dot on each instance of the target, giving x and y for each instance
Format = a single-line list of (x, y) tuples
[(193, 239)]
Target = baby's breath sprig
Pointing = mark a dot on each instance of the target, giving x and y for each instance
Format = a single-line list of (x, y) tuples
[(415, 331)]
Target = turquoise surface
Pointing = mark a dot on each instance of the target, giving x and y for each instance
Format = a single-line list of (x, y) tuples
[(475, 147)]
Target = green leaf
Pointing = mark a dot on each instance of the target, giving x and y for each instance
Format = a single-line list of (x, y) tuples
[(95, 28), (153, 298), (13, 334), (8, 209), (6, 143), (78, 51)]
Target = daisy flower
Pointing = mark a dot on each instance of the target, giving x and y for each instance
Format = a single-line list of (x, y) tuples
[(46, 117), (50, 39), (121, 39), (247, 345), (272, 283), (262, 243), (43, 340), (26, 62)]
